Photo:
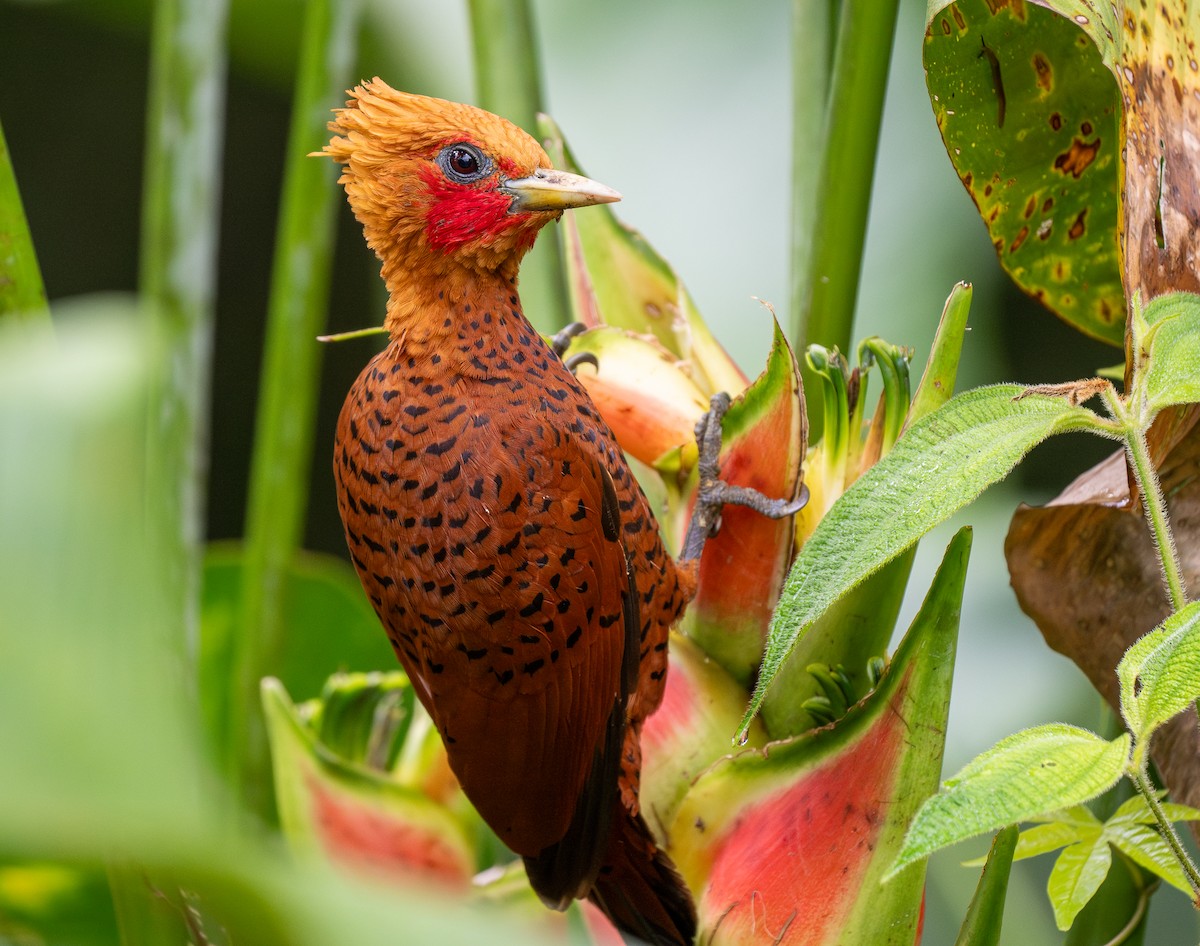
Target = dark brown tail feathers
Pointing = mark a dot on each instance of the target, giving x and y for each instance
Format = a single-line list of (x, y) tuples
[(639, 889)]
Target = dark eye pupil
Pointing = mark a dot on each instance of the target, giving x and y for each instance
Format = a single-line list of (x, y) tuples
[(463, 161)]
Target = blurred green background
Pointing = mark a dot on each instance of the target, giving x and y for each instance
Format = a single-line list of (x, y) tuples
[(684, 107)]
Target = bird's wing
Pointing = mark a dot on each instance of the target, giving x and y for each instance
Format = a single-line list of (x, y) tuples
[(547, 648)]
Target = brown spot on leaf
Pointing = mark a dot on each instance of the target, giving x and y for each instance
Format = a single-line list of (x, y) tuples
[(1085, 129), (1105, 311), (1079, 227), (968, 180), (958, 17), (1055, 121), (946, 26), (1045, 75), (987, 190), (1075, 159), (1031, 206), (1019, 239), (1047, 205)]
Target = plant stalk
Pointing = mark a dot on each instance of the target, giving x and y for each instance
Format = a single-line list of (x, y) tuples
[(279, 474), (825, 295), (177, 281), (508, 82), (1133, 433), (1142, 783)]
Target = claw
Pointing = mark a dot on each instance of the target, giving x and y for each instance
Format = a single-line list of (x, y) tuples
[(560, 341), (713, 493), (583, 358)]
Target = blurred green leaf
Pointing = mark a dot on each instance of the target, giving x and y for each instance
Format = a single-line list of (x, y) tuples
[(330, 627), (943, 462), (1022, 776), (981, 926), (22, 294), (1029, 114), (44, 903)]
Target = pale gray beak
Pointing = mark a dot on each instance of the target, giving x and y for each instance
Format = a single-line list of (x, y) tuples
[(548, 189)]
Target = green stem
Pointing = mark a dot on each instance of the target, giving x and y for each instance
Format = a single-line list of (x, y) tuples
[(812, 50), (1142, 783), (181, 203), (279, 474), (826, 297), (508, 82), (1152, 500), (22, 293)]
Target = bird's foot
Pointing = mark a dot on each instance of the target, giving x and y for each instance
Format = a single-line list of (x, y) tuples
[(561, 341), (714, 493)]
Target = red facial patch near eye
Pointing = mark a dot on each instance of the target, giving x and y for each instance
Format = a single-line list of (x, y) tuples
[(461, 213)]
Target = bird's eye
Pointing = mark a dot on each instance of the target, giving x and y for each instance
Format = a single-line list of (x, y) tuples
[(464, 163)]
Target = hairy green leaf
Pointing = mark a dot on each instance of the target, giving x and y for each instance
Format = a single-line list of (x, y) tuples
[(1029, 773), (941, 464), (1075, 878), (1160, 673), (941, 370), (1172, 371)]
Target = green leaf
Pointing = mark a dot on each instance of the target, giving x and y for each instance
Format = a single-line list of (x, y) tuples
[(941, 369), (1136, 811), (1029, 773), (22, 294), (1075, 878), (330, 627), (1029, 114), (806, 827), (1160, 673), (1171, 375), (1043, 838), (1147, 848), (856, 627), (941, 464), (981, 927)]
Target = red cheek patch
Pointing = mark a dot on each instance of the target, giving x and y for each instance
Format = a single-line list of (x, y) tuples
[(459, 214)]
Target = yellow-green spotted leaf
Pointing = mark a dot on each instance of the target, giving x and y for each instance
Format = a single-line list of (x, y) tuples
[(1160, 673), (1029, 115)]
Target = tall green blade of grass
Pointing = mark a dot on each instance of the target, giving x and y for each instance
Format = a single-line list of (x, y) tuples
[(181, 202), (827, 264), (291, 374), (22, 294), (508, 82)]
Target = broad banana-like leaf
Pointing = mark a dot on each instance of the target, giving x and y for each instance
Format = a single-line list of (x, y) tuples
[(788, 844)]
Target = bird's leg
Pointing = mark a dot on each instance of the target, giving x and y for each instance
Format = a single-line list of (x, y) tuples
[(714, 493), (561, 341)]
